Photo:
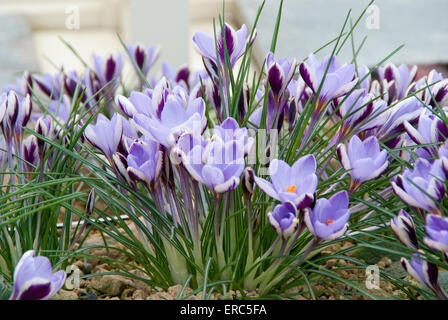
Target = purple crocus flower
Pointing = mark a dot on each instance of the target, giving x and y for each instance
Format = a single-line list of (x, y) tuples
[(176, 114), (30, 153), (363, 158), (353, 110), (422, 187), (388, 123), (235, 42), (106, 134), (108, 72), (23, 86), (328, 219), (145, 161), (437, 230), (403, 227), (284, 219), (16, 113), (34, 278), (398, 79), (430, 130), (144, 57), (296, 183), (137, 103), (422, 271), (218, 165), (229, 130), (338, 81), (431, 89), (279, 73)]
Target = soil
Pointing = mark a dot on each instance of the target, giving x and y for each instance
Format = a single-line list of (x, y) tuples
[(118, 287)]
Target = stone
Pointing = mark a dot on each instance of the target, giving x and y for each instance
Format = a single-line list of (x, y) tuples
[(112, 285), (139, 295), (65, 295)]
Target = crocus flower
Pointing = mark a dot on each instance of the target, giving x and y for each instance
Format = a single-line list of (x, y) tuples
[(328, 219), (353, 110), (403, 227), (235, 43), (431, 89), (422, 187), (34, 278), (437, 230), (284, 219), (338, 81), (175, 114), (23, 86), (387, 123), (106, 134), (398, 78), (363, 158), (218, 165), (279, 73), (229, 130), (430, 130), (144, 161), (16, 111), (296, 183), (108, 72), (30, 152), (422, 271), (144, 57)]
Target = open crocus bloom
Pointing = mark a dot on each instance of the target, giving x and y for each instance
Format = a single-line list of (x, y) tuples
[(338, 81), (437, 230), (328, 219), (284, 219), (297, 183), (173, 114), (106, 134), (422, 187), (363, 158), (230, 130), (218, 165), (34, 278)]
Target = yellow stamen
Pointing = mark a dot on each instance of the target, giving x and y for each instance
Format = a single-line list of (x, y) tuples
[(291, 188)]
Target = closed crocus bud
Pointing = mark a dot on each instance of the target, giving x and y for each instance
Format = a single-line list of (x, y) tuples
[(424, 272), (243, 103), (144, 57), (279, 73), (328, 219), (248, 182), (437, 230), (403, 227), (34, 278), (43, 128), (91, 201), (10, 112), (284, 219), (364, 159), (30, 152)]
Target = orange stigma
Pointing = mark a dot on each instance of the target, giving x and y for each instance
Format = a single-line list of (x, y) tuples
[(291, 188), (330, 221)]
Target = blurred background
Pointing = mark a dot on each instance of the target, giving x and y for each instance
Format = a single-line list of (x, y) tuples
[(31, 30)]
